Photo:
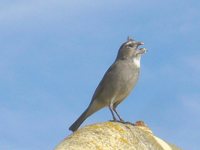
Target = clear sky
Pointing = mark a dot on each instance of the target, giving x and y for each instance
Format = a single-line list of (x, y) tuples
[(53, 54)]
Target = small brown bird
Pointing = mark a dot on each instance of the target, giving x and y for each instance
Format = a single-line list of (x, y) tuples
[(117, 82)]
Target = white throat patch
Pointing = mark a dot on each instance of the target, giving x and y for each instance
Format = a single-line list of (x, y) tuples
[(136, 61)]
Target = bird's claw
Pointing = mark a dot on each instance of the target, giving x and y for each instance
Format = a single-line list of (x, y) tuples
[(121, 121)]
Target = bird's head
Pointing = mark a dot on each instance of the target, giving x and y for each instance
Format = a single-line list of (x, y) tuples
[(130, 50)]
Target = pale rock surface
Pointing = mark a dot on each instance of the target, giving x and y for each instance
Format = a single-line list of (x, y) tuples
[(114, 136)]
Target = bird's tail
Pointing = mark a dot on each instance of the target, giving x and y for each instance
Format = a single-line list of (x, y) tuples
[(92, 108), (79, 121)]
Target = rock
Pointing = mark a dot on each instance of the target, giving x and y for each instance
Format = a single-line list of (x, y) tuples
[(114, 136)]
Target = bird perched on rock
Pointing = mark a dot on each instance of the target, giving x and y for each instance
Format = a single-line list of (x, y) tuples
[(117, 82)]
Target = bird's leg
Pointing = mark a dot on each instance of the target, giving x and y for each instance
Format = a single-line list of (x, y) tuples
[(114, 109), (111, 110)]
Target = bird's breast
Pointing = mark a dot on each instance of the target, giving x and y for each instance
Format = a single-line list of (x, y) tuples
[(127, 79)]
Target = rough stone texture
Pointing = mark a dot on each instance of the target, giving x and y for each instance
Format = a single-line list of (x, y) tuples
[(114, 136)]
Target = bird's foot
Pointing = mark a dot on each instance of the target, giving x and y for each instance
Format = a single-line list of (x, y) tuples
[(120, 121), (114, 120), (127, 122)]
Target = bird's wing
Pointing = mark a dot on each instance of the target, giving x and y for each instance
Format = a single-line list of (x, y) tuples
[(107, 76)]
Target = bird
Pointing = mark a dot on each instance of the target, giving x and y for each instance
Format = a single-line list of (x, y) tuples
[(117, 83)]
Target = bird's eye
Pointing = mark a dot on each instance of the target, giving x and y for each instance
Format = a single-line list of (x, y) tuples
[(130, 45)]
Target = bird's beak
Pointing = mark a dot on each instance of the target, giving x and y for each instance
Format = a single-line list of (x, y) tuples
[(141, 51), (140, 43)]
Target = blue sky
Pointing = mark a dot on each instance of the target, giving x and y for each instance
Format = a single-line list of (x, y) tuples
[(53, 54)]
